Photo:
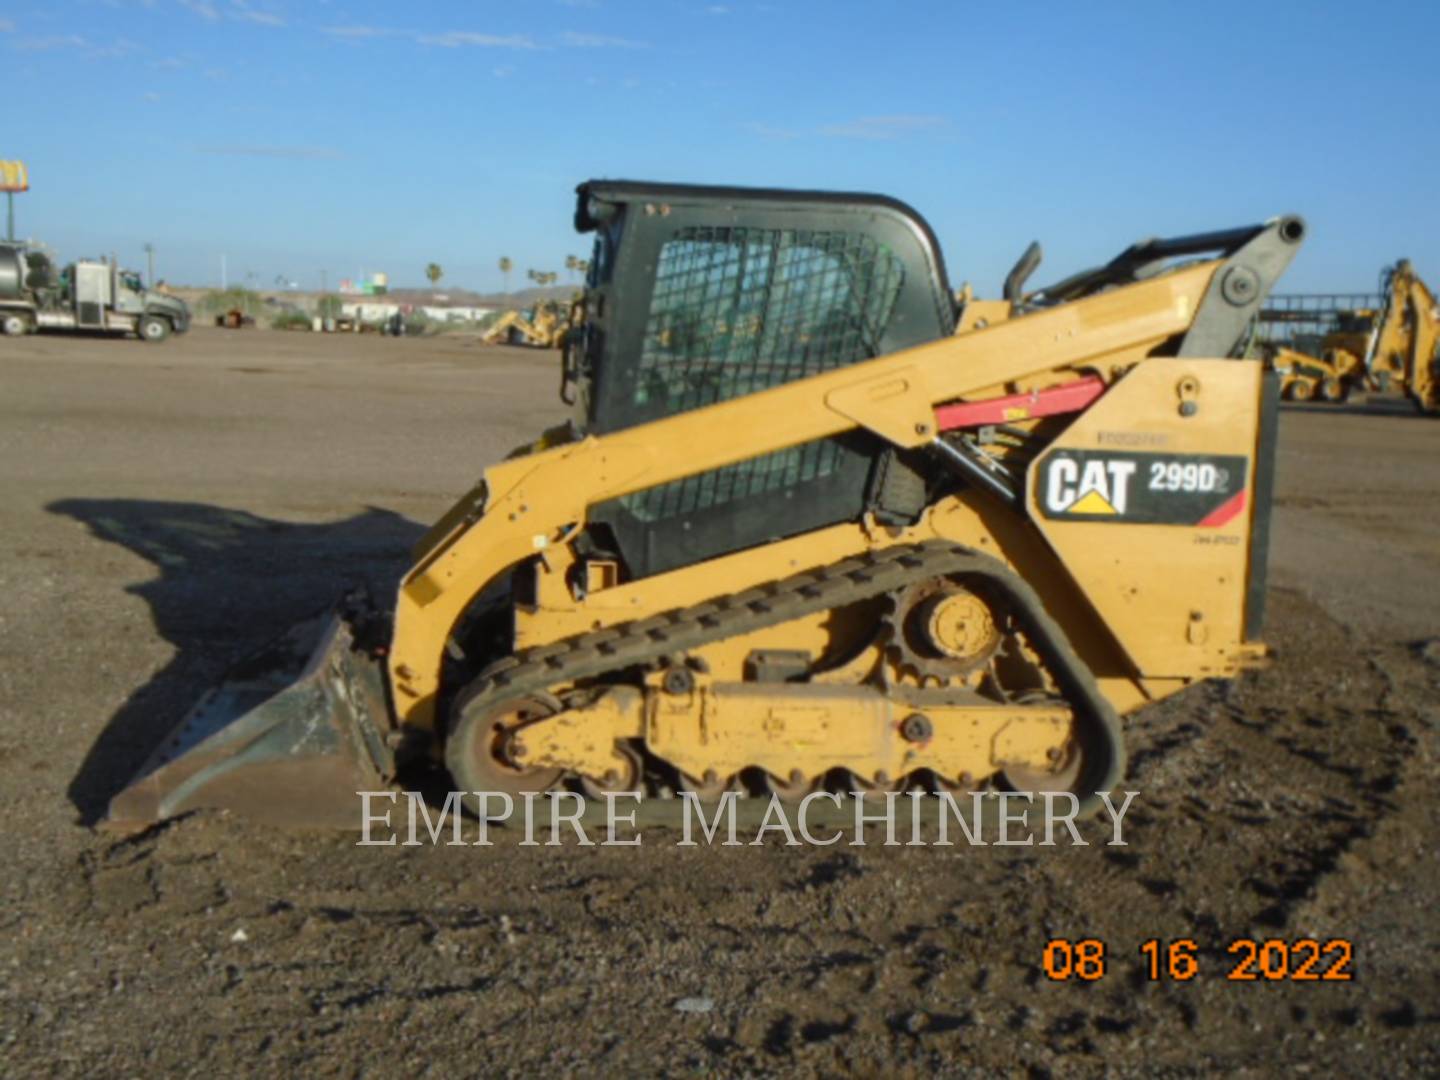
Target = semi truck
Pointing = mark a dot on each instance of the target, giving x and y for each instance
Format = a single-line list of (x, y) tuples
[(88, 294)]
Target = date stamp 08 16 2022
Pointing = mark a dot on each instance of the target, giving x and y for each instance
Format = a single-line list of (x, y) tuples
[(1247, 960)]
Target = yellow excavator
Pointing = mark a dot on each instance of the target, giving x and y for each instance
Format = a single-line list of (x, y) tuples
[(1325, 350), (801, 536), (542, 326)]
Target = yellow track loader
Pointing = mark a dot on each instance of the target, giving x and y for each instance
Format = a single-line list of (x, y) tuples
[(800, 535)]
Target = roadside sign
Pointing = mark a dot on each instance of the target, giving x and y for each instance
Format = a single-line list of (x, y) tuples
[(14, 176)]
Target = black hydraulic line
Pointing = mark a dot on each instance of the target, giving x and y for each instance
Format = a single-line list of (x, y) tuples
[(1148, 253), (969, 467), (1227, 241)]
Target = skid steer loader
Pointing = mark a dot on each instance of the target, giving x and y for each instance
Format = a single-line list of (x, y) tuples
[(802, 534)]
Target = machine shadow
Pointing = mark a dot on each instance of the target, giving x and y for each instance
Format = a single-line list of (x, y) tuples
[(227, 583)]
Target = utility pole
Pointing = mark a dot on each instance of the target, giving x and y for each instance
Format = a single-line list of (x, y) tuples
[(9, 215), (150, 265)]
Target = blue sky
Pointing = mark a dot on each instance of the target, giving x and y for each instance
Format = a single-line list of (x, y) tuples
[(296, 136)]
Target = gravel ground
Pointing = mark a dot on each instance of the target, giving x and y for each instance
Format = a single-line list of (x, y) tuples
[(166, 509)]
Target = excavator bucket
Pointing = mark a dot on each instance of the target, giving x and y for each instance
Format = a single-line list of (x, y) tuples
[(289, 738)]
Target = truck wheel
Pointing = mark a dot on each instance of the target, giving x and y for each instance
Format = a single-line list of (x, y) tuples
[(153, 328), (14, 324)]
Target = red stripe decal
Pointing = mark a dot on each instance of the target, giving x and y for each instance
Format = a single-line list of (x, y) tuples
[(1225, 511), (1052, 401)]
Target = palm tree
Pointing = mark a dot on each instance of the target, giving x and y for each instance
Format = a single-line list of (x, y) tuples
[(434, 273), (505, 266), (572, 263)]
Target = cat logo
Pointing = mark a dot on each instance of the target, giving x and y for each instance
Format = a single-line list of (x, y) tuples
[(1135, 487), (1096, 486)]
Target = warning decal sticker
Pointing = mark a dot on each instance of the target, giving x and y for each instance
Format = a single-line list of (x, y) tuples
[(1204, 490)]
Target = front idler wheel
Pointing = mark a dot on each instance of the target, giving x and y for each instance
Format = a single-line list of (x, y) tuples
[(480, 752)]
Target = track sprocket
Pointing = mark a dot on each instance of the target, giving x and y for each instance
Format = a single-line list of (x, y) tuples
[(941, 630)]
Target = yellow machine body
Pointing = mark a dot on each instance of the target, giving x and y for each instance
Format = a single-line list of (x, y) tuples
[(994, 636), (1157, 607)]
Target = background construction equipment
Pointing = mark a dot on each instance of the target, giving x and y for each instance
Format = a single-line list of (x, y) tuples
[(1327, 346), (542, 326)]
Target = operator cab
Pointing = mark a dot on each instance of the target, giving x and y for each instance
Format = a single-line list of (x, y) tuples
[(696, 295)]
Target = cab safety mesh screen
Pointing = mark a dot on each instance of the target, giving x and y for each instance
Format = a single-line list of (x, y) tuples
[(739, 310)]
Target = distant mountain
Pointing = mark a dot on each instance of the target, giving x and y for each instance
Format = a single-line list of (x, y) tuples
[(466, 298)]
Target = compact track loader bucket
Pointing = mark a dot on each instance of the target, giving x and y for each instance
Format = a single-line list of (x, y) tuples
[(288, 738)]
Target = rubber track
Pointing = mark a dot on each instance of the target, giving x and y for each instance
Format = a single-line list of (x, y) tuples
[(614, 648)]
